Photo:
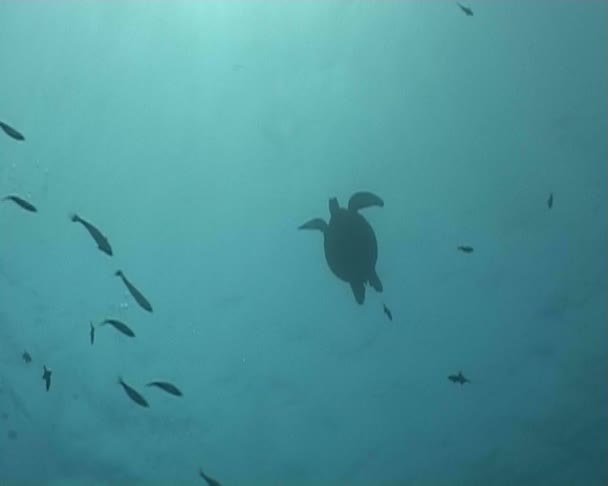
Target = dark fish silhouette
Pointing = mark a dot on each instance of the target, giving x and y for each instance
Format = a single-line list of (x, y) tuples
[(102, 242), (388, 312), (133, 394), (26, 357), (92, 334), (466, 249), (137, 295), (11, 132), (168, 387), (210, 481), (468, 12), (12, 434), (119, 326), (550, 201), (21, 202), (459, 378), (46, 376)]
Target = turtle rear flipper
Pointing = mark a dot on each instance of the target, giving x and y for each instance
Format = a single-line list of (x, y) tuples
[(358, 291), (316, 224), (361, 200), (375, 282)]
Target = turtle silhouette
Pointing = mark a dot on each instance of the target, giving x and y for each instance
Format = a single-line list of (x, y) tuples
[(351, 248)]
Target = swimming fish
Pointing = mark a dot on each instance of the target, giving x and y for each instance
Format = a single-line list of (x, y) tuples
[(137, 295), (468, 12), (11, 132), (102, 242), (46, 376), (466, 249), (119, 326), (209, 480), (168, 387), (21, 202), (550, 201), (459, 378), (133, 394), (26, 357), (388, 312), (92, 334)]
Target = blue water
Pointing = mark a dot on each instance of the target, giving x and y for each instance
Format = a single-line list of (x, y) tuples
[(198, 136)]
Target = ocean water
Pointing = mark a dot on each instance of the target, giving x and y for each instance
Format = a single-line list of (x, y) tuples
[(197, 136)]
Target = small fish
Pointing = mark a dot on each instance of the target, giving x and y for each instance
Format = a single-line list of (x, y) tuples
[(92, 334), (102, 242), (168, 387), (210, 481), (11, 132), (46, 376), (550, 201), (21, 202), (119, 326), (26, 357), (388, 312), (133, 394), (12, 434), (137, 295), (468, 12), (459, 378), (465, 249)]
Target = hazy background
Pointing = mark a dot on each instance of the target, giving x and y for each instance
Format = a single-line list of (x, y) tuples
[(198, 135)]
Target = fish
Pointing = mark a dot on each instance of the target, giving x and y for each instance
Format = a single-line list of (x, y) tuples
[(102, 242), (12, 434), (28, 206), (46, 376), (119, 326), (468, 12), (459, 378), (26, 357), (137, 295), (208, 479), (12, 132), (550, 201), (92, 334), (133, 394), (168, 387), (465, 249), (388, 312)]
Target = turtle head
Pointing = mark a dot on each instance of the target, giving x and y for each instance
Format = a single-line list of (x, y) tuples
[(333, 206)]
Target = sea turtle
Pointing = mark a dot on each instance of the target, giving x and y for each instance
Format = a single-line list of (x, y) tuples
[(351, 249)]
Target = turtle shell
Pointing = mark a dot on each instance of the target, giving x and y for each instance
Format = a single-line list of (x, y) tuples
[(351, 248)]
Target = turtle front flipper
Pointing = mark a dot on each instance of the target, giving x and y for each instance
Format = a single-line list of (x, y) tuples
[(316, 224), (358, 291), (375, 282), (361, 200)]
